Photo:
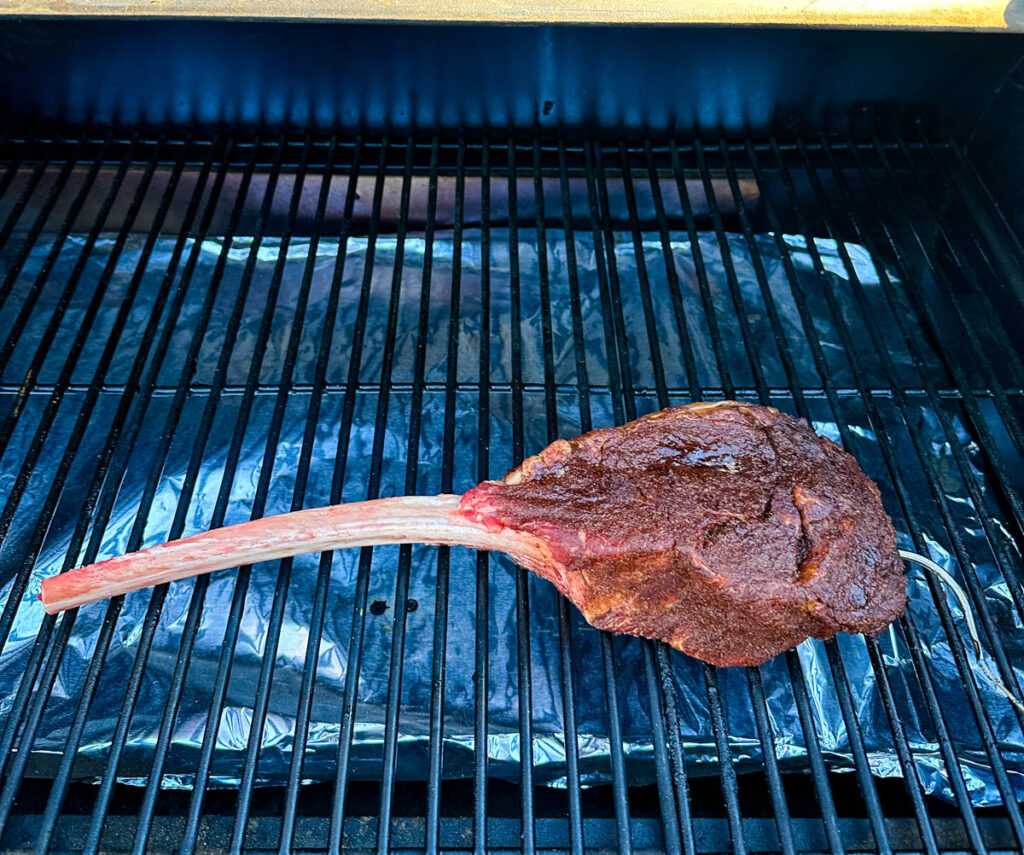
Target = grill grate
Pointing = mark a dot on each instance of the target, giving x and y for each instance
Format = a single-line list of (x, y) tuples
[(95, 382)]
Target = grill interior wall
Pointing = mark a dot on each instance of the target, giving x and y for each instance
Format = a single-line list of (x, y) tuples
[(131, 342)]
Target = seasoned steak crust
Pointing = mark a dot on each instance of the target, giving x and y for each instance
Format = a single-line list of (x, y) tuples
[(730, 531)]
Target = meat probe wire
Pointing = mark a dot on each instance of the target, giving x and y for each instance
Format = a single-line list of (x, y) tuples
[(965, 606)]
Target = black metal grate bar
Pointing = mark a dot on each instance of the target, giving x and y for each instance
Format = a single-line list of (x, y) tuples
[(565, 670), (362, 583), (682, 807), (660, 651), (624, 410), (586, 423), (405, 551), (481, 624), (522, 578), (440, 634), (587, 318)]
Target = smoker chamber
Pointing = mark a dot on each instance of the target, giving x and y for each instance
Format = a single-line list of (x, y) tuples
[(250, 266), (177, 309)]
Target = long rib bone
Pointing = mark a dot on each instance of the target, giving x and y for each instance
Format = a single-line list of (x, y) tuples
[(406, 519)]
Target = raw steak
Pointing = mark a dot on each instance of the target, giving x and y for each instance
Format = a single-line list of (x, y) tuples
[(728, 530)]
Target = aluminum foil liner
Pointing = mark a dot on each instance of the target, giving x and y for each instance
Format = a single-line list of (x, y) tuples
[(503, 746)]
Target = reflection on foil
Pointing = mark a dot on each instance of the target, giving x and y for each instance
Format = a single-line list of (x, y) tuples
[(503, 746)]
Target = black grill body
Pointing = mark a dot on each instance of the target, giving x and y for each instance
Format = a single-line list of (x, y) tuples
[(248, 267)]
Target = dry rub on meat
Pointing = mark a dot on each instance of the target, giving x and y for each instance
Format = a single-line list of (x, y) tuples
[(730, 531)]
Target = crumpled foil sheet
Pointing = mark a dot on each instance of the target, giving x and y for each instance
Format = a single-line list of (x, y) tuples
[(503, 746)]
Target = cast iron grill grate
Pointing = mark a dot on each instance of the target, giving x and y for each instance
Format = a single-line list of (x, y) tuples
[(131, 270)]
